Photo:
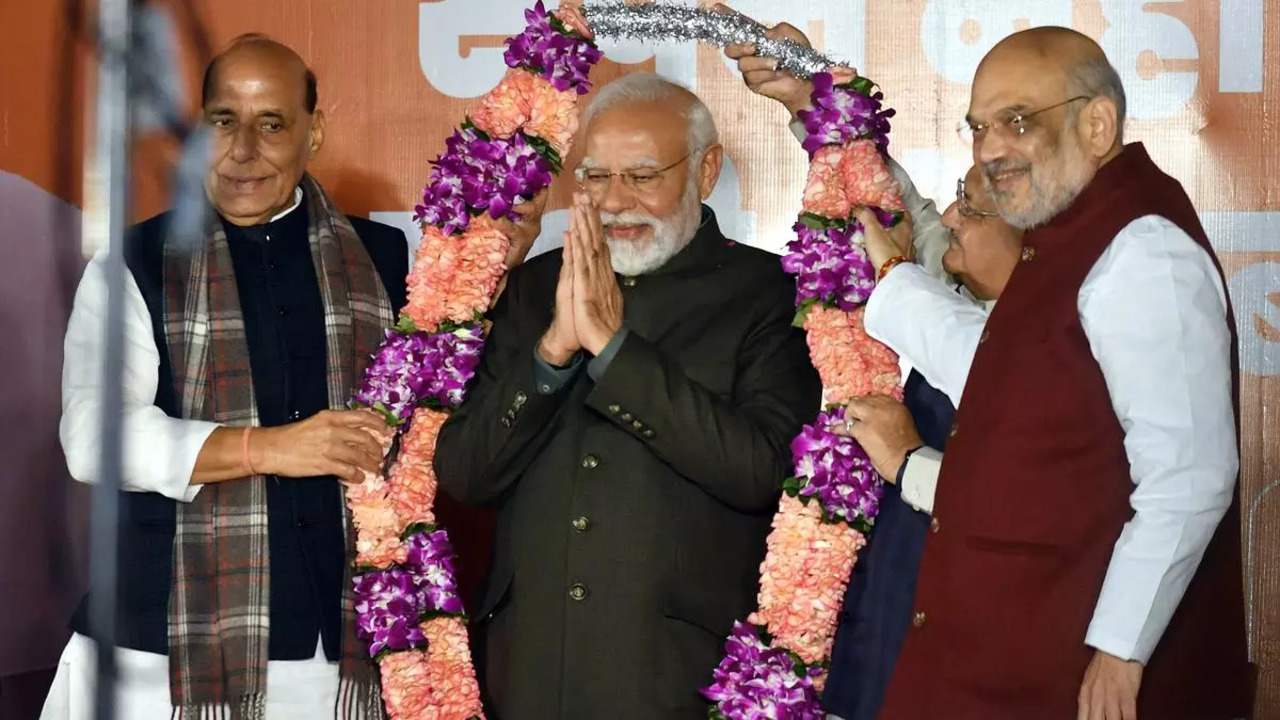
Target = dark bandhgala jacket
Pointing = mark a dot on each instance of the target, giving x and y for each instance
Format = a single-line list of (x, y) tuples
[(633, 503), (1034, 494)]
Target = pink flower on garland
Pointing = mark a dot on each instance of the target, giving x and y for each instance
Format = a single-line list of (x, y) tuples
[(553, 115), (570, 13), (406, 685), (506, 108), (377, 524), (824, 192), (528, 103), (449, 671), (413, 480), (454, 276), (850, 363), (866, 178), (803, 578), (479, 258)]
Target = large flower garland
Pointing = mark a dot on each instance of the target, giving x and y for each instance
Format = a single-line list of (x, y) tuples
[(407, 604), (775, 665)]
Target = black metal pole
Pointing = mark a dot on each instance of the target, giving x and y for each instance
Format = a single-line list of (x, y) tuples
[(107, 198)]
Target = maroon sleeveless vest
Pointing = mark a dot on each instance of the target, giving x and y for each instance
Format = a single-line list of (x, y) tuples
[(1032, 498)]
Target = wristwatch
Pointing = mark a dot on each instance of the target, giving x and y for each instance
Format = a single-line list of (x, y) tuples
[(902, 469)]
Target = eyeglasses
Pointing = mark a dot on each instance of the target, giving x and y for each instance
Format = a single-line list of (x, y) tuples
[(962, 202), (640, 180), (1007, 122)]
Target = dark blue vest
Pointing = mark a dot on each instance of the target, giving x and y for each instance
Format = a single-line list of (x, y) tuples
[(881, 593), (284, 323)]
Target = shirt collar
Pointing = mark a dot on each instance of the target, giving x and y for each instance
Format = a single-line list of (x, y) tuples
[(297, 200)]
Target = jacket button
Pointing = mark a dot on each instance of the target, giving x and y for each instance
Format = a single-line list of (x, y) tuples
[(615, 409), (520, 398), (629, 281), (581, 524), (918, 620), (506, 422), (934, 526), (625, 417), (648, 433), (590, 460), (637, 425), (1028, 254), (578, 592)]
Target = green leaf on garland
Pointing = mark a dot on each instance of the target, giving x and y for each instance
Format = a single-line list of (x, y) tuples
[(415, 528), (546, 150), (802, 313), (405, 325)]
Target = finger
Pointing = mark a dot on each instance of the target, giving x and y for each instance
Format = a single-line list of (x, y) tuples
[(362, 418), (1129, 706), (787, 31), (1112, 706), (757, 70), (1097, 707), (583, 247), (361, 441), (855, 409), (359, 458), (566, 260), (595, 226)]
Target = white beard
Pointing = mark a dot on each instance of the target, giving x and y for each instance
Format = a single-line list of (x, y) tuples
[(670, 235)]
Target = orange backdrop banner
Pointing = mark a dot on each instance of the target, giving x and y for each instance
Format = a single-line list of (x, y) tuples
[(395, 76)]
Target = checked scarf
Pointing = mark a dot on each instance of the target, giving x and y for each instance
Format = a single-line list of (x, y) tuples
[(218, 608)]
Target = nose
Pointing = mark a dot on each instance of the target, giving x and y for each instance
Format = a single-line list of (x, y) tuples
[(244, 145), (990, 146), (951, 218), (617, 196)]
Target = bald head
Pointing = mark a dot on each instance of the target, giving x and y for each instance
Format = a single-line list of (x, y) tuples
[(1067, 59), (260, 106), (257, 47), (1047, 111)]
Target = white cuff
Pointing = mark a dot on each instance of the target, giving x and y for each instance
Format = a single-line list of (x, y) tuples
[(920, 478)]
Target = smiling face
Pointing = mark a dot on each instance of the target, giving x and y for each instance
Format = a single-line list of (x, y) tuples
[(1037, 150), (983, 248), (262, 132), (653, 214)]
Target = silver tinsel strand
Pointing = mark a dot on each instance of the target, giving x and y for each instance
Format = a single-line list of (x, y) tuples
[(661, 22)]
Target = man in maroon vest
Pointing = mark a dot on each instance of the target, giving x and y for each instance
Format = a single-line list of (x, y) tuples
[(1086, 558)]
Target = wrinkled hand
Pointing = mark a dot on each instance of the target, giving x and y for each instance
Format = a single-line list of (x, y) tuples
[(1110, 689), (885, 430), (346, 443), (760, 73), (523, 233), (597, 300), (560, 343), (884, 244)]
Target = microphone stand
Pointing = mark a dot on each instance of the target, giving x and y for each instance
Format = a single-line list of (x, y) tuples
[(107, 202)]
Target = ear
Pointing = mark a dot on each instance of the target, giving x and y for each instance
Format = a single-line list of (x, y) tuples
[(1099, 126), (709, 170), (317, 132)]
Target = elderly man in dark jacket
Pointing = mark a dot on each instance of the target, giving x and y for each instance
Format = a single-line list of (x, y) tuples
[(631, 422)]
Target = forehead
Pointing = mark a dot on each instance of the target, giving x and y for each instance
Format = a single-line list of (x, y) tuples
[(634, 132), (1015, 79), (260, 76)]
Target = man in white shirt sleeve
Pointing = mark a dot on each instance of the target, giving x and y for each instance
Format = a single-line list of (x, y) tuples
[(234, 577), (1092, 466)]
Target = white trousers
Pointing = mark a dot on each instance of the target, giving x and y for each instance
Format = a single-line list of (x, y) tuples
[(295, 689)]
